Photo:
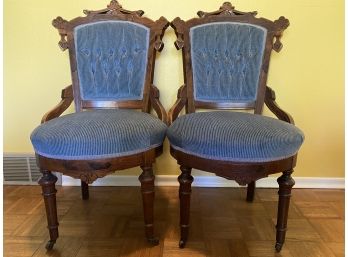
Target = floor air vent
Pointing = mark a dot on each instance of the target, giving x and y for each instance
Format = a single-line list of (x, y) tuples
[(21, 169)]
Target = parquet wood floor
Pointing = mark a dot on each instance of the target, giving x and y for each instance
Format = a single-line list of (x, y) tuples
[(223, 224)]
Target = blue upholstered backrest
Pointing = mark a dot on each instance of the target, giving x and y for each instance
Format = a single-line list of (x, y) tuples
[(226, 61), (111, 60)]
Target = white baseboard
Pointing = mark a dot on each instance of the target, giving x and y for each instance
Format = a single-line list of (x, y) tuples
[(210, 181)]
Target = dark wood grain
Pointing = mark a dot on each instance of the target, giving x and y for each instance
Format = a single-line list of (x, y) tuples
[(67, 99), (147, 180), (47, 182), (250, 191), (156, 104), (178, 106), (90, 170), (286, 183), (84, 190), (274, 107), (244, 173), (185, 180)]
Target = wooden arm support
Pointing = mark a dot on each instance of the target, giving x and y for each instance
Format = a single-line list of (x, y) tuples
[(67, 98), (156, 104), (178, 106), (274, 107)]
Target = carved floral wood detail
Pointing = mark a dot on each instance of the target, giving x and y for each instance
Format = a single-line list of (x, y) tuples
[(87, 176), (281, 24), (61, 24), (243, 178), (226, 9), (161, 25), (114, 8), (179, 27)]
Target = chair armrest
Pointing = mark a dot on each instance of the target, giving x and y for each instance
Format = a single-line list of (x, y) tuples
[(274, 107), (178, 106), (67, 98), (156, 104)]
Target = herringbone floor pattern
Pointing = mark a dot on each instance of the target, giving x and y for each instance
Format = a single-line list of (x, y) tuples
[(223, 224)]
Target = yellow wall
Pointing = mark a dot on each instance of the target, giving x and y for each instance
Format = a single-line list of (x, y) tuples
[(308, 75)]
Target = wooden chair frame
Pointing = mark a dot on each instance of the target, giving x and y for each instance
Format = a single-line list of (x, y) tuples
[(89, 170), (243, 173)]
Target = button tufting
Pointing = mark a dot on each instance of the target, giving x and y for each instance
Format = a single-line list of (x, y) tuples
[(234, 61), (130, 66), (93, 66), (216, 54), (107, 59), (85, 52), (123, 52), (137, 49), (105, 67), (99, 53)]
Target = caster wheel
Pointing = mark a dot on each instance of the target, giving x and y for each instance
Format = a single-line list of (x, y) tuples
[(278, 247), (153, 240), (50, 244), (182, 243)]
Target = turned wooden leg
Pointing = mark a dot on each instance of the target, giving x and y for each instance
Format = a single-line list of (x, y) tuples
[(85, 191), (286, 183), (251, 192), (47, 183), (148, 192), (185, 180)]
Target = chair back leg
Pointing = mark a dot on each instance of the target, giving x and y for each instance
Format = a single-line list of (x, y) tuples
[(286, 183), (84, 190), (185, 180), (250, 192), (47, 182), (147, 180)]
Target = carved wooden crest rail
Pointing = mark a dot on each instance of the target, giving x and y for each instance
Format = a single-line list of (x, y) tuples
[(113, 9), (227, 9)]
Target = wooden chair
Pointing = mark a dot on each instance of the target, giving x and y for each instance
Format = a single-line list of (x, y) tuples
[(112, 58), (226, 55)]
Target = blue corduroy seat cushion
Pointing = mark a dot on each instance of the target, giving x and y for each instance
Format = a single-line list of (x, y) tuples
[(234, 136), (98, 134)]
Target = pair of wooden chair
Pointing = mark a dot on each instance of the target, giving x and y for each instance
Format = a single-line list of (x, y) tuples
[(226, 55)]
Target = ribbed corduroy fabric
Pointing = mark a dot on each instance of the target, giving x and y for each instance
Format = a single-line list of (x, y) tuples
[(98, 134), (235, 136), (226, 61), (111, 60)]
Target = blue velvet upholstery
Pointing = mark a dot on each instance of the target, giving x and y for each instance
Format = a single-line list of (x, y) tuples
[(111, 60), (98, 134), (226, 61), (234, 136)]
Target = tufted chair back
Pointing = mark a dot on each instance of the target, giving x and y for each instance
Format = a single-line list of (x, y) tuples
[(226, 61), (111, 59), (226, 55)]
